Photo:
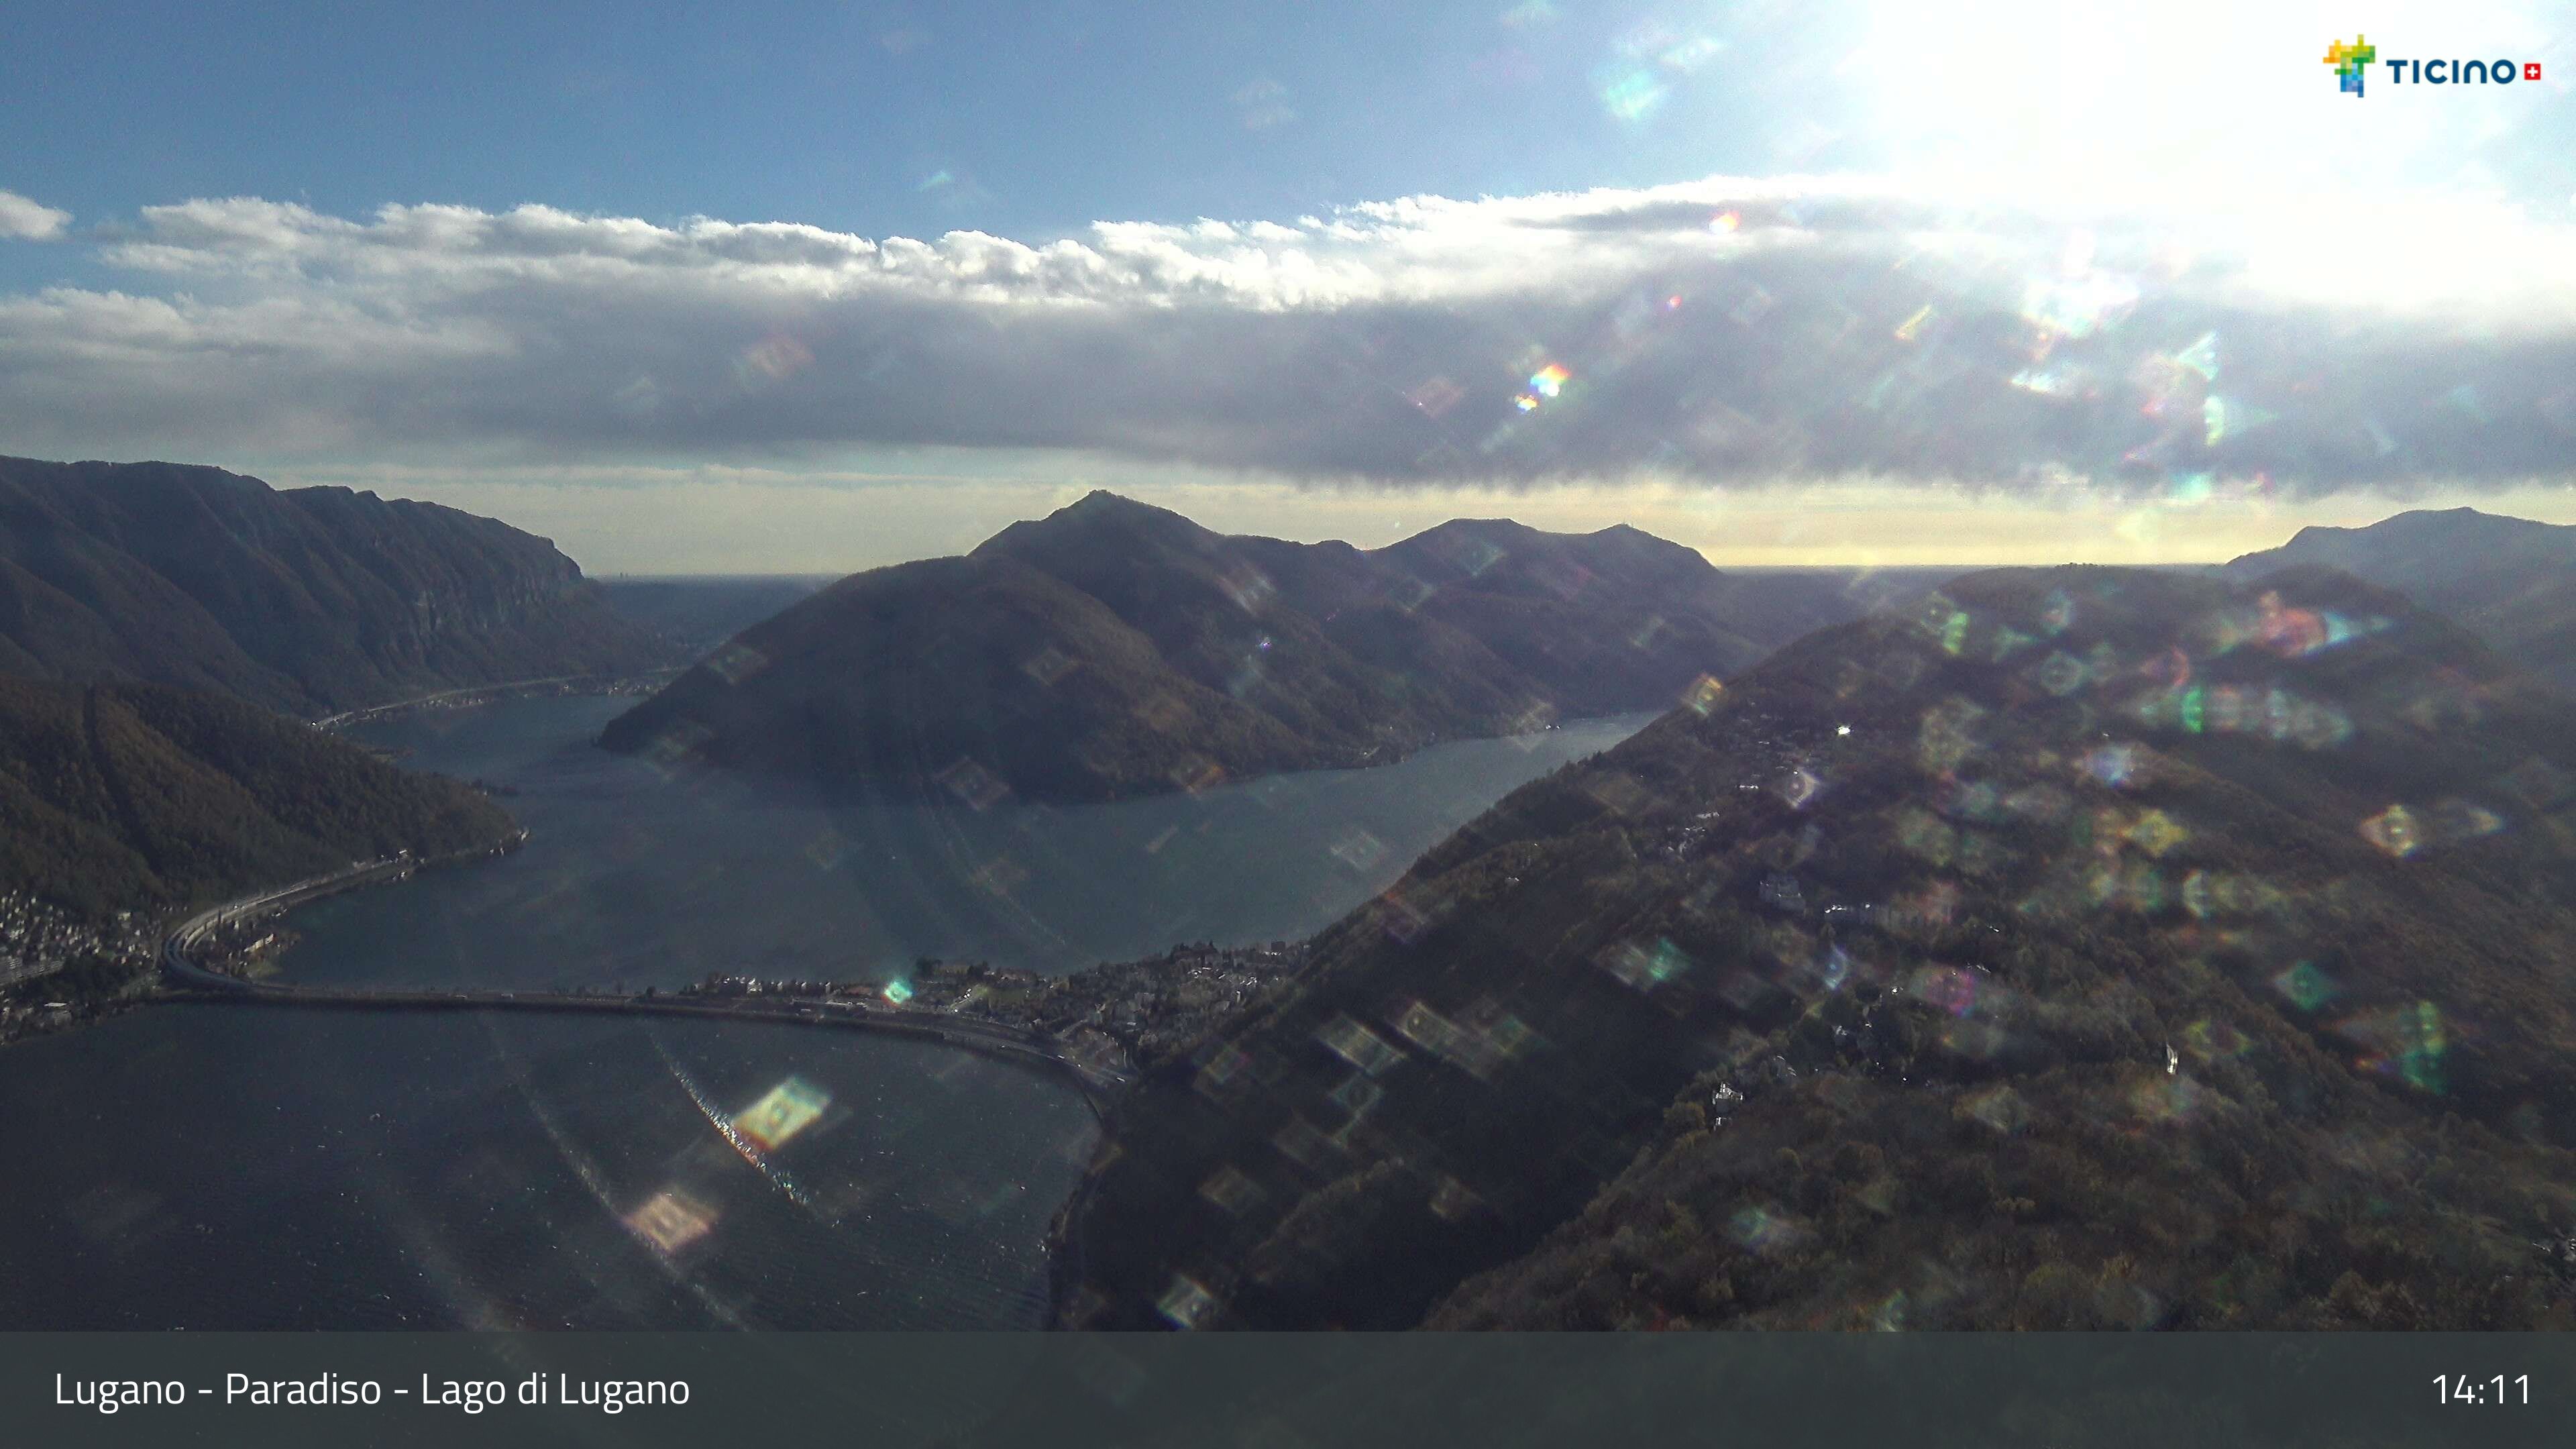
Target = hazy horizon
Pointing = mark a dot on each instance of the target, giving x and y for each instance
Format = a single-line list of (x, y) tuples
[(1376, 523)]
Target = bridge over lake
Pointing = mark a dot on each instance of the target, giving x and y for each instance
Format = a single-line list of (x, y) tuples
[(186, 979)]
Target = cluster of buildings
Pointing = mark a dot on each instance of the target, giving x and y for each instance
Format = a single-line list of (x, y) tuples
[(38, 940), (1162, 1004), (1149, 1007)]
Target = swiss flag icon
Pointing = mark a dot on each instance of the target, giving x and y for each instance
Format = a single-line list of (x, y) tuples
[(2531, 70)]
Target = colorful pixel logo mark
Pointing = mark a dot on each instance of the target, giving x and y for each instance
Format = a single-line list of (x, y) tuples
[(2350, 61)]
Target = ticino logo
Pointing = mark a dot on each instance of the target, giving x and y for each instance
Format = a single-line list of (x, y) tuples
[(2352, 61)]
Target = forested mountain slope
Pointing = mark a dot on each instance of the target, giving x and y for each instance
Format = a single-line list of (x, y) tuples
[(308, 601), (1115, 649), (2086, 946)]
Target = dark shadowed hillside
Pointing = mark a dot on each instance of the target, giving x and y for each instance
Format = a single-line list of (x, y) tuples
[(137, 797), (2085, 947), (2511, 580), (308, 601), (1116, 649)]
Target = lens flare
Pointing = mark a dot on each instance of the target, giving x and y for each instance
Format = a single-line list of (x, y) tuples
[(781, 1113)]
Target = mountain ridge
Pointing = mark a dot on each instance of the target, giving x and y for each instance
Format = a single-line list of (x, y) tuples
[(2512, 580), (306, 601), (1201, 656)]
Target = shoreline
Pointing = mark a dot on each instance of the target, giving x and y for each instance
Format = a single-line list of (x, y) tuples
[(1064, 1024), (805, 1004), (151, 972), (190, 983), (473, 696), (921, 790), (183, 980), (1232, 979)]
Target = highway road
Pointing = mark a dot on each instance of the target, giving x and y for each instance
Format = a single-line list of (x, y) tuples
[(396, 706), (330, 721)]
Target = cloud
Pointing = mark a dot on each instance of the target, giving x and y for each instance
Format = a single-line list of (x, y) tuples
[(25, 220), (1720, 332), (1263, 104)]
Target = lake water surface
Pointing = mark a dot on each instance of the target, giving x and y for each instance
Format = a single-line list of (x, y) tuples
[(231, 1167)]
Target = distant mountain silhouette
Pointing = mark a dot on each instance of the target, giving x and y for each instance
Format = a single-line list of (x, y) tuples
[(2510, 579), (1114, 649), (2083, 947), (308, 601), (138, 797)]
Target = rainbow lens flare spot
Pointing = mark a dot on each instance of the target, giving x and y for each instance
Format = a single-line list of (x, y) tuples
[(782, 1112), (671, 1220), (2307, 987)]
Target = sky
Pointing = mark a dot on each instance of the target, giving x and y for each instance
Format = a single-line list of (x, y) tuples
[(816, 287)]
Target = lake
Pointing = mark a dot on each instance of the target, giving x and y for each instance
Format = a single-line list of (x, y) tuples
[(227, 1167)]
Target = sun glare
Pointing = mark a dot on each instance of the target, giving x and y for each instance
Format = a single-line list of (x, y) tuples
[(2201, 99)]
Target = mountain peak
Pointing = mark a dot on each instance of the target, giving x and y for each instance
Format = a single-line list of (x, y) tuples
[(1100, 502), (2414, 529), (2421, 520), (2511, 579), (1477, 528), (1085, 522), (1100, 507), (1199, 651)]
